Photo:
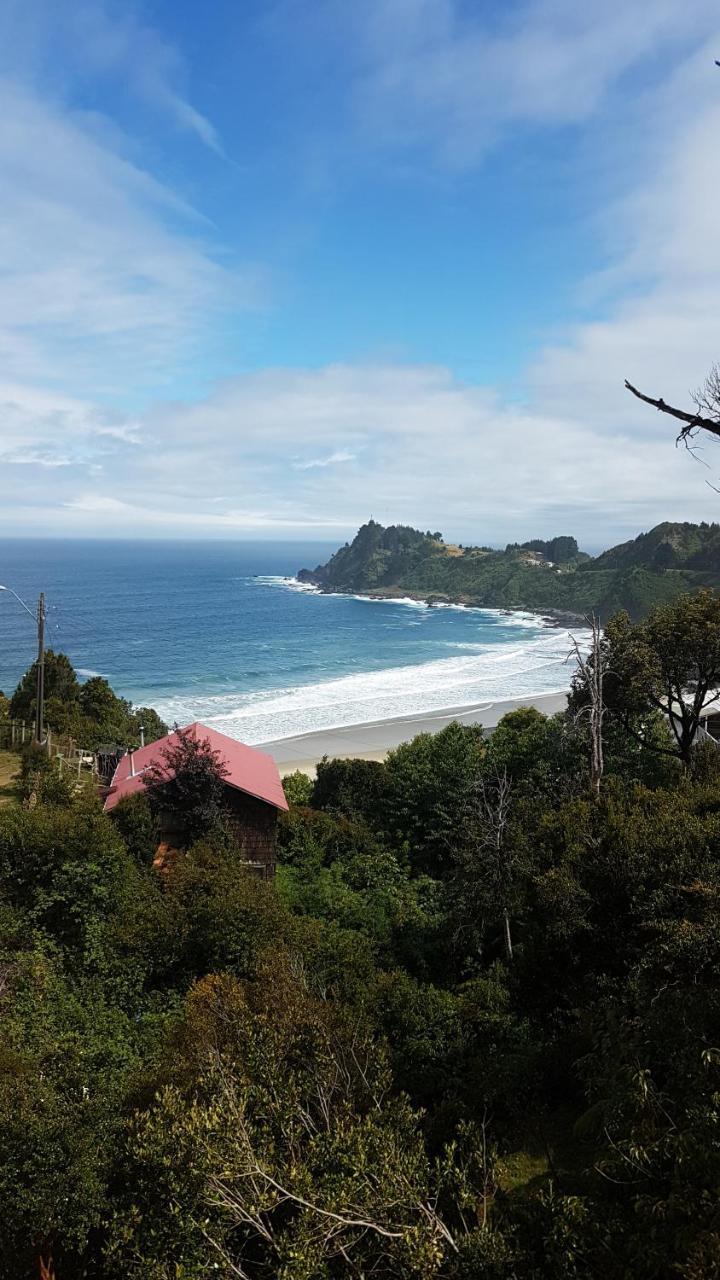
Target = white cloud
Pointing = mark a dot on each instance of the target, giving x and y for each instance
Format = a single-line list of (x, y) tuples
[(99, 504), (440, 75), (99, 39), (97, 286), (101, 275), (429, 450), (34, 458), (658, 323), (109, 281), (332, 459)]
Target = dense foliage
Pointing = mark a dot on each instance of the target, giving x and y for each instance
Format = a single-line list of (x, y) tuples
[(549, 575), (472, 1030), (89, 712), (184, 786), (668, 663)]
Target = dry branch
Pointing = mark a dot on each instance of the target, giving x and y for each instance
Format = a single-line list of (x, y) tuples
[(693, 421), (592, 671)]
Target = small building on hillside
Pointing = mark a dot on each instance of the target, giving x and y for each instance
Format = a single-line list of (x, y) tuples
[(253, 793)]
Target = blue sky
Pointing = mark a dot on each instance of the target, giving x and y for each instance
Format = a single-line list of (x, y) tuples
[(268, 268)]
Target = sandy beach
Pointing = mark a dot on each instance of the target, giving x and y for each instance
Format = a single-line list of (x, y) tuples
[(373, 740)]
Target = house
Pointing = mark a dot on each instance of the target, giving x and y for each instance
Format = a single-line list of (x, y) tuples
[(253, 793)]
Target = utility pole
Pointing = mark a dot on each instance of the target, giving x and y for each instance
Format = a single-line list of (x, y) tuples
[(39, 616), (40, 701)]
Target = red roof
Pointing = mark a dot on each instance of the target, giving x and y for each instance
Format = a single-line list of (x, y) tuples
[(248, 769)]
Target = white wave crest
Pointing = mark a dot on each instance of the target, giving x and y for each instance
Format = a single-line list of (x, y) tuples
[(508, 617), (293, 584), (488, 673), (290, 584)]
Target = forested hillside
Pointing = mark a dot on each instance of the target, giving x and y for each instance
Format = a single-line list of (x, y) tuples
[(471, 1032), (544, 575)]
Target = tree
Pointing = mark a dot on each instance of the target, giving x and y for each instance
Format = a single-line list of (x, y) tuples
[(65, 867), (652, 1079), (138, 827), (61, 684), (487, 858), (221, 917), (298, 788), (539, 754), (354, 788), (187, 783), (97, 700), (278, 1148), (151, 723), (591, 672), (707, 407), (64, 1059), (91, 713), (670, 663), (428, 783)]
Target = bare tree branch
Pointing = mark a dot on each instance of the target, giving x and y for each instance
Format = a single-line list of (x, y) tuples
[(226, 1197), (693, 421)]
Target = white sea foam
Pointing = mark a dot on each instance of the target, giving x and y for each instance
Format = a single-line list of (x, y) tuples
[(406, 600), (294, 584), (487, 673), (509, 617), (290, 584), (518, 618)]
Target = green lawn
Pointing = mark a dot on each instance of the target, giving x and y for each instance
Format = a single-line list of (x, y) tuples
[(9, 769)]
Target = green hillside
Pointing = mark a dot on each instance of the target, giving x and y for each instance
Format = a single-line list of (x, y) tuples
[(551, 576), (667, 546)]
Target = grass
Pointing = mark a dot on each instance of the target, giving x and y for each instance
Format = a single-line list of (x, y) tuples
[(523, 1169), (9, 770), (552, 1151)]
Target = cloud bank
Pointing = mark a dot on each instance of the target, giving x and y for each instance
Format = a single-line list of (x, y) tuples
[(108, 282)]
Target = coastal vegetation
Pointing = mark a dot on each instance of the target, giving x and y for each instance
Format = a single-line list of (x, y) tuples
[(471, 1030), (89, 712), (551, 576)]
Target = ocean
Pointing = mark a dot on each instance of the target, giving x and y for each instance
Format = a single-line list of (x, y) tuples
[(224, 633)]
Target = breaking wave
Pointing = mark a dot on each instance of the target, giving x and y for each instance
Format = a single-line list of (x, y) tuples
[(477, 674)]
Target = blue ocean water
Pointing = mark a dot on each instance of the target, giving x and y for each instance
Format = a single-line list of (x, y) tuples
[(224, 633)]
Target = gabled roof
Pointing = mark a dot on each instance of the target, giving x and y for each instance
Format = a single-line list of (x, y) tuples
[(248, 769)]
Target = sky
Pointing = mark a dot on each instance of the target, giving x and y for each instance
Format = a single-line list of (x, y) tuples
[(269, 269)]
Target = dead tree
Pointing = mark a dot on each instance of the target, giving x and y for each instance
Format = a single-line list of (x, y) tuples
[(591, 672), (490, 858), (707, 408)]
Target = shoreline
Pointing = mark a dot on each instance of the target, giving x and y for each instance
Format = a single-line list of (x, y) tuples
[(439, 600), (372, 740)]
